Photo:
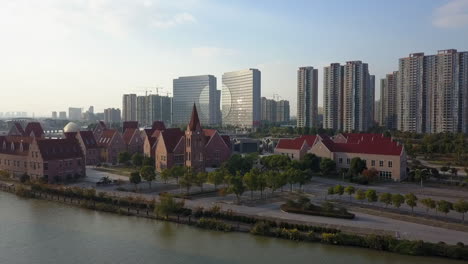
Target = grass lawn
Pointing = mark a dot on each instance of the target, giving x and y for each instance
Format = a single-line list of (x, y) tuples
[(123, 171)]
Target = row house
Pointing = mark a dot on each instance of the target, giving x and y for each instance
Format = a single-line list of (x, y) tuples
[(150, 138), (88, 145), (133, 140), (195, 148), (111, 143), (295, 148), (51, 160), (32, 129)]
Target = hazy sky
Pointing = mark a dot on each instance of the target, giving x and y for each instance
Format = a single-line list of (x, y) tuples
[(60, 53)]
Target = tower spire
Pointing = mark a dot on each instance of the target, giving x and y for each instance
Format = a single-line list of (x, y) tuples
[(194, 120)]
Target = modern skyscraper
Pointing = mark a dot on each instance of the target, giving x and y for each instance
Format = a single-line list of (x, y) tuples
[(333, 97), (388, 101), (62, 115), (129, 107), (54, 115), (75, 113), (307, 97), (200, 90), (356, 96), (241, 103), (377, 112), (432, 92), (112, 115), (371, 101), (142, 110)]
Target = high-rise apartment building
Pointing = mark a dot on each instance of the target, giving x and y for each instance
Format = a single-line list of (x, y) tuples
[(159, 108), (200, 90), (112, 115), (371, 101), (241, 103), (356, 96), (129, 107), (275, 111), (54, 115), (377, 112), (432, 92), (333, 97), (142, 110), (307, 97), (75, 113), (62, 115), (388, 101)]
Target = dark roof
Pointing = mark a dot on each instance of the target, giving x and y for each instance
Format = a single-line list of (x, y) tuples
[(378, 147), (106, 137), (53, 149), (227, 140), (365, 137), (158, 125), (88, 139), (171, 137), (194, 120), (19, 127), (290, 143), (129, 124), (128, 134), (6, 143), (35, 128), (102, 124)]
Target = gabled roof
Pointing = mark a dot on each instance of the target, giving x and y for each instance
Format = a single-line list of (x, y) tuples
[(158, 125), (227, 140), (194, 120), (310, 139), (106, 137), (12, 145), (290, 143), (35, 128), (171, 137), (102, 124), (88, 139), (53, 149), (378, 147), (17, 126), (128, 134), (129, 124), (365, 137)]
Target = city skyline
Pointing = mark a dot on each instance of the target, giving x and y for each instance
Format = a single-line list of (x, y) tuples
[(148, 54)]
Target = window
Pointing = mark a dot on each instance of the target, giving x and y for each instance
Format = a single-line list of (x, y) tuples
[(373, 163), (46, 166), (390, 164), (340, 160), (348, 161), (381, 163)]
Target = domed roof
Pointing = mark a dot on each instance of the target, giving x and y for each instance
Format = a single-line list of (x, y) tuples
[(71, 128)]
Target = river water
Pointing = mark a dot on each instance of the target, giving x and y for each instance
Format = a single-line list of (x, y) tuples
[(34, 231)]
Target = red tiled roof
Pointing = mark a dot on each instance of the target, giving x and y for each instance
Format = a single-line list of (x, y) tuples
[(379, 147), (106, 137), (171, 137), (19, 128), (52, 149), (194, 120), (290, 143), (35, 128), (88, 139), (158, 125), (365, 137), (128, 134), (310, 139), (7, 141), (129, 124)]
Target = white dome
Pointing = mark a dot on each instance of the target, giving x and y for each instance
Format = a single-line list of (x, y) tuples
[(71, 128)]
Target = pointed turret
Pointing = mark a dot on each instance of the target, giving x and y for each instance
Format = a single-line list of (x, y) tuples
[(194, 120)]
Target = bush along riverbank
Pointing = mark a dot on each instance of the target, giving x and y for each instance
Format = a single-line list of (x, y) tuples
[(215, 219), (304, 206)]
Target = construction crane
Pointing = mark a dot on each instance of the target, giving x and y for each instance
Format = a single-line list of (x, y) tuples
[(149, 89)]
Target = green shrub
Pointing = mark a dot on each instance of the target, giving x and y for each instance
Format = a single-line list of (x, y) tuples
[(213, 224), (261, 228)]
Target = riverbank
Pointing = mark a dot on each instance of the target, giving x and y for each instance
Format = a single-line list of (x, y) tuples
[(88, 198)]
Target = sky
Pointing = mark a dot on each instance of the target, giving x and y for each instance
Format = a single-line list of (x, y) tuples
[(56, 54)]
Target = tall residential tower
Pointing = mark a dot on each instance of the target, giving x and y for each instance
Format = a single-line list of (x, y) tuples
[(307, 97)]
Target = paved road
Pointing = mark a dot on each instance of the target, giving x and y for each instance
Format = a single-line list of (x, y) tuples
[(405, 229)]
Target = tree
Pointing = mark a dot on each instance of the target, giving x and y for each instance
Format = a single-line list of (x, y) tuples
[(294, 175), (428, 203), (237, 186), (168, 205), (385, 198), (411, 200), (166, 174), (216, 177), (188, 179), (124, 157), (338, 189), (397, 200), (177, 172), (262, 183), (420, 175), (200, 179), (24, 178), (135, 178), (444, 206), (350, 190), (148, 174), (251, 180), (148, 161), (371, 196), (461, 206), (360, 195), (330, 191), (310, 161), (327, 166), (356, 166), (370, 174), (137, 159)]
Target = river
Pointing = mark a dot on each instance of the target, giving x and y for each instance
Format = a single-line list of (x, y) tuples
[(35, 231)]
